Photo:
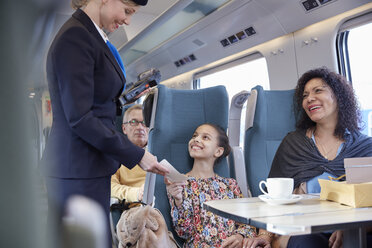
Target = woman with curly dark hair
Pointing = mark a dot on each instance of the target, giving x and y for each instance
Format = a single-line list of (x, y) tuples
[(348, 119), (328, 131)]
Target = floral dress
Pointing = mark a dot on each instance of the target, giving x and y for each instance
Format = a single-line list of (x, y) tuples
[(201, 228)]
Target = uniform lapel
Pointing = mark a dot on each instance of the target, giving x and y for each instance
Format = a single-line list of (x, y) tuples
[(85, 20)]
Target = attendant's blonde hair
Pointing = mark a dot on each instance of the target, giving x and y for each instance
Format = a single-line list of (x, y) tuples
[(76, 4)]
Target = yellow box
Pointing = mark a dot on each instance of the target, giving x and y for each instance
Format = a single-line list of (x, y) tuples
[(355, 195)]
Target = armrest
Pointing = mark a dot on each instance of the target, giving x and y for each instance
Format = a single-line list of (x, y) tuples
[(240, 172), (149, 188)]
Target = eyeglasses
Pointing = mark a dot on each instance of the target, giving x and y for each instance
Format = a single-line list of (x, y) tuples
[(135, 123)]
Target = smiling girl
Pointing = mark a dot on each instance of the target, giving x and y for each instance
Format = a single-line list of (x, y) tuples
[(201, 228)]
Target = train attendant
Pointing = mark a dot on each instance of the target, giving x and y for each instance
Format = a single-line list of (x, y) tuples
[(327, 132), (85, 77), (201, 228)]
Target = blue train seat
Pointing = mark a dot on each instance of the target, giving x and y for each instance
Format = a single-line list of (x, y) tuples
[(173, 115), (269, 117)]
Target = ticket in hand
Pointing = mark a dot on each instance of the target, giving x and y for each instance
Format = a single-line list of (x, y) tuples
[(173, 175)]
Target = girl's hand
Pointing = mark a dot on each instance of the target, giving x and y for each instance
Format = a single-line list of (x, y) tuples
[(256, 242), (234, 241), (175, 190)]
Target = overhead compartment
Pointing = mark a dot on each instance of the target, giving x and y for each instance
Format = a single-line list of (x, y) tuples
[(214, 22), (293, 15)]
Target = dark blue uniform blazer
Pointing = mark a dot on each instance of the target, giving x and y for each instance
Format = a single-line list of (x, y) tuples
[(84, 79)]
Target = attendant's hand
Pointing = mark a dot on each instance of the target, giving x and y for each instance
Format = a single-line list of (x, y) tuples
[(234, 241), (149, 163), (335, 241), (175, 190), (256, 242)]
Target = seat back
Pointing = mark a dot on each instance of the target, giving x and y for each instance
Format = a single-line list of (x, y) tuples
[(175, 116), (269, 117)]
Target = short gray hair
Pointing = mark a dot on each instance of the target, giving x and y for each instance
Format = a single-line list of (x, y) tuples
[(130, 109)]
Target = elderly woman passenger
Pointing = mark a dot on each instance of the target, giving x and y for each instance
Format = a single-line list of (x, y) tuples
[(327, 131)]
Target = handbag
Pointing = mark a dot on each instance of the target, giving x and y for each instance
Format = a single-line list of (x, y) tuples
[(144, 227)]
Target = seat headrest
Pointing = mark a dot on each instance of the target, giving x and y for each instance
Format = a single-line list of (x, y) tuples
[(147, 107)]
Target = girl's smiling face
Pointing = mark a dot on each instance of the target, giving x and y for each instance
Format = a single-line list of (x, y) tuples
[(204, 143)]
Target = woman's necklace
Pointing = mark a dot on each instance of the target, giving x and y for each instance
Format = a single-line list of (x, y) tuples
[(324, 152)]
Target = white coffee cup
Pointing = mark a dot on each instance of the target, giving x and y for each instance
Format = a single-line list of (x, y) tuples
[(278, 187)]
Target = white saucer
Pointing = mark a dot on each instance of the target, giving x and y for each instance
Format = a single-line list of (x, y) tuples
[(280, 201)]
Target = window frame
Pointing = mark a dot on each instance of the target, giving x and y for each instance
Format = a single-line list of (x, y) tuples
[(343, 59), (227, 65)]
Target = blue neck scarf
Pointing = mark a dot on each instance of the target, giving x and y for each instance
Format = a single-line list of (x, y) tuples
[(117, 56)]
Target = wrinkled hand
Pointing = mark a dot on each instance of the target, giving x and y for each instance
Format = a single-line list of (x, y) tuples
[(175, 190), (140, 193), (256, 242), (234, 241), (149, 163), (335, 241)]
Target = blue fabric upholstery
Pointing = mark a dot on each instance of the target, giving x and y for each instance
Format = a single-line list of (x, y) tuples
[(273, 119), (178, 114)]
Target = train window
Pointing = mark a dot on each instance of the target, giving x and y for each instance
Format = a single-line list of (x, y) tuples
[(236, 77), (357, 47), (240, 77)]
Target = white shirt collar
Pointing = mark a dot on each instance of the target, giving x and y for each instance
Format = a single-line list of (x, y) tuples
[(100, 31)]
